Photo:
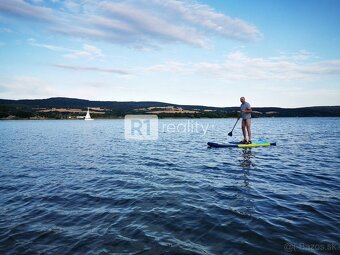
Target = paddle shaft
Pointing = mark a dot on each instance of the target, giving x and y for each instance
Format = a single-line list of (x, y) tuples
[(231, 132), (235, 124)]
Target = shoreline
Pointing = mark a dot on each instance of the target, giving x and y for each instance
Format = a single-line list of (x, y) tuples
[(169, 118)]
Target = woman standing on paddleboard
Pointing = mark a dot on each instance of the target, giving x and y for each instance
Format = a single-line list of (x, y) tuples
[(246, 120)]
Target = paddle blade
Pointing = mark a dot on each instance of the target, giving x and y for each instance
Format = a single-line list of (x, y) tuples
[(230, 133)]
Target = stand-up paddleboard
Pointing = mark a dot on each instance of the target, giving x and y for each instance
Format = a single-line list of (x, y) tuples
[(240, 145)]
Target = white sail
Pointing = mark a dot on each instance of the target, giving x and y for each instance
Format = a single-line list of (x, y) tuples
[(88, 116)]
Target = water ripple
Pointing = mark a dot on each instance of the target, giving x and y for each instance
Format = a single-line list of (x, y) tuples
[(69, 187)]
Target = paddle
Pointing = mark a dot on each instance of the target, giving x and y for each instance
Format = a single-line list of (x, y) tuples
[(231, 132)]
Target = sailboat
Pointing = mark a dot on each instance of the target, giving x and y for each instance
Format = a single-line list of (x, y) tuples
[(88, 116)]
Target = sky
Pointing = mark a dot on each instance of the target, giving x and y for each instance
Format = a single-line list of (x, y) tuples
[(273, 52)]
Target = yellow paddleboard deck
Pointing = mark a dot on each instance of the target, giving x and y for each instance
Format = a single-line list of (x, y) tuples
[(241, 145)]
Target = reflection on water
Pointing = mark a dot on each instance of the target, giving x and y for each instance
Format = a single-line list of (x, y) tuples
[(246, 163), (246, 177), (247, 156)]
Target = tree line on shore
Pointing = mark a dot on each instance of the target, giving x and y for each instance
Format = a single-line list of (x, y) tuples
[(32, 109)]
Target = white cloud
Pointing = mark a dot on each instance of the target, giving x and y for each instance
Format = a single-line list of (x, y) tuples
[(36, 1), (147, 24), (88, 51), (33, 42), (238, 66), (135, 23), (26, 87), (22, 9), (208, 19), (5, 30), (91, 68), (298, 96), (170, 66)]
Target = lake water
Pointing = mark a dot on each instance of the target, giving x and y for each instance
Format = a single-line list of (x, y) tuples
[(78, 187)]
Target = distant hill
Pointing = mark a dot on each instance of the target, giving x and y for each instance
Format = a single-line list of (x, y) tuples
[(60, 108)]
